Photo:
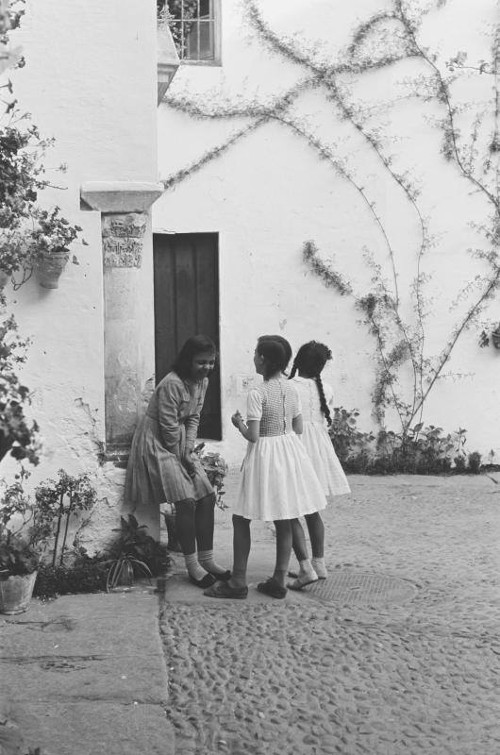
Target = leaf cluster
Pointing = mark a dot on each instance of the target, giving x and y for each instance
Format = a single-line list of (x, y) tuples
[(216, 469), (419, 450), (17, 434)]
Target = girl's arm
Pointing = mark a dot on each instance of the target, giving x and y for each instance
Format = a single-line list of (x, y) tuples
[(298, 424), (169, 396), (249, 429), (192, 422)]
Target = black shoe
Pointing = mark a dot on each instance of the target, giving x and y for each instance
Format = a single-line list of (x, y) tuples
[(222, 576), (204, 582)]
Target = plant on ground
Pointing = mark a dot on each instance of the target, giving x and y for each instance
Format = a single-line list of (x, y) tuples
[(135, 553), (419, 450), (85, 574), (61, 503)]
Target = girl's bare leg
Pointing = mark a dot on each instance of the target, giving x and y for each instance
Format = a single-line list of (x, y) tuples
[(316, 530), (283, 549), (306, 574), (299, 541)]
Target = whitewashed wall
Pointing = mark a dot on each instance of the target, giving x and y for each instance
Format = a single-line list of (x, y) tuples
[(89, 82), (270, 192)]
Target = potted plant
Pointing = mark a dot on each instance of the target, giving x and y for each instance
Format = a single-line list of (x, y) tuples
[(137, 554), (49, 248), (21, 542)]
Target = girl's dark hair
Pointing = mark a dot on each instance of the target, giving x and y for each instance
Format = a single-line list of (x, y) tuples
[(310, 360), (275, 350), (195, 345), (286, 346)]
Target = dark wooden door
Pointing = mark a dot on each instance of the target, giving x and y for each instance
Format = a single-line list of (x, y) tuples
[(186, 302)]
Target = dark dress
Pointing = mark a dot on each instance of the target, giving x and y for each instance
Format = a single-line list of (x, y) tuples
[(169, 428)]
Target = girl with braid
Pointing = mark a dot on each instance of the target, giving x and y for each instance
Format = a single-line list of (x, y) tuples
[(278, 482), (316, 399)]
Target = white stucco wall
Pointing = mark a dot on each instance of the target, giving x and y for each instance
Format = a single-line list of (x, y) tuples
[(270, 192), (89, 82)]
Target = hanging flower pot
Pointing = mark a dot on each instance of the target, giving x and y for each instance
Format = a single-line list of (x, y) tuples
[(16, 591), (49, 267)]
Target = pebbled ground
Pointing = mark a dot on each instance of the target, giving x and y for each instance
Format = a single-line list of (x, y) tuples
[(308, 677)]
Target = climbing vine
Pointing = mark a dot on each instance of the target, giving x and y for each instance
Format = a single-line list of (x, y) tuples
[(380, 43)]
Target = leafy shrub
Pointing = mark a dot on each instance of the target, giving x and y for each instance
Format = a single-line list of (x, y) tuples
[(135, 543), (86, 574), (421, 450)]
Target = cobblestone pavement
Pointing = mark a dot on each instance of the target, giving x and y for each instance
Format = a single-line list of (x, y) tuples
[(308, 676)]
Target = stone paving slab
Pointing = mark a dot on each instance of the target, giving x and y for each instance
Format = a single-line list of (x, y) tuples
[(85, 674), (104, 729)]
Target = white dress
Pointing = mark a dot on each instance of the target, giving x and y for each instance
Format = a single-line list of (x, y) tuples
[(278, 479), (316, 438)]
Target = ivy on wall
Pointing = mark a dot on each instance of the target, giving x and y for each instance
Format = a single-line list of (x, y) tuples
[(379, 44)]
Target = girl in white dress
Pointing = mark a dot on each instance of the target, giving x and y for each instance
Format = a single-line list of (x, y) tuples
[(317, 400), (278, 482)]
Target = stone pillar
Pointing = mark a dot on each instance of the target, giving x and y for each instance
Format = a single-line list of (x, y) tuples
[(126, 229)]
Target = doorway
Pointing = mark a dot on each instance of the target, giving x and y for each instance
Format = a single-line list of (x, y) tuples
[(186, 302)]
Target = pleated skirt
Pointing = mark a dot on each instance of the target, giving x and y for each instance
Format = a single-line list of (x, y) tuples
[(328, 468), (155, 475), (278, 481)]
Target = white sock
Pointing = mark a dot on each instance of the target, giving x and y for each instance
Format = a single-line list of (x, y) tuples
[(194, 569), (319, 566), (306, 567), (206, 559)]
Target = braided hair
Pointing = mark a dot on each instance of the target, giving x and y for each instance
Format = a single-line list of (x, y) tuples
[(310, 360)]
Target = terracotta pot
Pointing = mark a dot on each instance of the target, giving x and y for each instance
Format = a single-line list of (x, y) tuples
[(49, 269), (16, 592)]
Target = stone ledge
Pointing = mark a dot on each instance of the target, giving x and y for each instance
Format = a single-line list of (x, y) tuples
[(119, 196)]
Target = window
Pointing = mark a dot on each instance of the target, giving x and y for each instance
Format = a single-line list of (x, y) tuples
[(195, 27)]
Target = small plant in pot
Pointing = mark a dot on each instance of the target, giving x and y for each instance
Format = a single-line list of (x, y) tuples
[(50, 246), (21, 543), (137, 555)]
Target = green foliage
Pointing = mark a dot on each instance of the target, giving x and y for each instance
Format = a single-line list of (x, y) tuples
[(17, 555), (134, 553), (420, 450), (18, 435), (28, 232), (216, 468), (84, 575), (20, 539), (59, 502), (28, 529)]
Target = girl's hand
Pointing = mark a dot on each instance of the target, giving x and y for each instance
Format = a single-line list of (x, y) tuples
[(236, 419), (188, 464)]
